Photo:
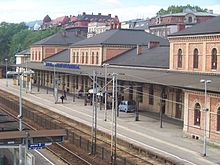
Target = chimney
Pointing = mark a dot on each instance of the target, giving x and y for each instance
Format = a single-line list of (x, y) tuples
[(64, 34), (84, 13), (153, 44), (139, 49), (210, 11), (77, 33), (99, 13), (181, 27)]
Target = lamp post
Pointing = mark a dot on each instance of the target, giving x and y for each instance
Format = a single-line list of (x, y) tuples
[(19, 74), (205, 111), (106, 72), (6, 70)]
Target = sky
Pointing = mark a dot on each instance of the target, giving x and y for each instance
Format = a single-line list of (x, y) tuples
[(15, 11)]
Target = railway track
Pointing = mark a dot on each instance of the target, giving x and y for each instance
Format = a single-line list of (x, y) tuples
[(61, 152), (78, 131)]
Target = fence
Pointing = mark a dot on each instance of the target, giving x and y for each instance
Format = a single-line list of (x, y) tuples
[(72, 137)]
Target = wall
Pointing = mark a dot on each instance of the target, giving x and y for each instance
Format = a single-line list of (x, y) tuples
[(213, 103), (38, 53), (204, 44)]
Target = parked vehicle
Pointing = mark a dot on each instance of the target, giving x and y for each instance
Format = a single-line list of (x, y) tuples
[(127, 106)]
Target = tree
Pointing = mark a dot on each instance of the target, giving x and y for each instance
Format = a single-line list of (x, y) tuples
[(178, 9), (7, 30), (17, 37), (25, 38)]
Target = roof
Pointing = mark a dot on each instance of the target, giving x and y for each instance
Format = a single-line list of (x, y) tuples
[(178, 79), (157, 57), (201, 14), (61, 38), (122, 37), (96, 18), (211, 26), (62, 56), (24, 52)]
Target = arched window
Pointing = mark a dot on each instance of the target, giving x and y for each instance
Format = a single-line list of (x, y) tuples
[(82, 57), (74, 57), (77, 57), (86, 57), (218, 119), (195, 58), (97, 57), (190, 19), (92, 57), (197, 114), (180, 57), (214, 58)]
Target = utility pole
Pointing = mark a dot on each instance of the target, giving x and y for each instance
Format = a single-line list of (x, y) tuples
[(116, 96), (6, 70), (114, 121), (94, 114), (205, 115), (20, 119), (106, 72), (162, 92)]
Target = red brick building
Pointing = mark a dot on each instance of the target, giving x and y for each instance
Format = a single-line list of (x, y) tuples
[(196, 50)]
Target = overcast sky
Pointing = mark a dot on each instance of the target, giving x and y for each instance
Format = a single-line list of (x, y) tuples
[(31, 10)]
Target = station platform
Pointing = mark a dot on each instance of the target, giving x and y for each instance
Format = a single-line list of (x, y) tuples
[(146, 133)]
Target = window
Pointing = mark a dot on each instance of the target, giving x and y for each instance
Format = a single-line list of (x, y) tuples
[(195, 58), (130, 93), (214, 58), (218, 119), (197, 114), (77, 57), (179, 104), (92, 57), (151, 95), (190, 19), (179, 60), (140, 94), (97, 57), (82, 57), (86, 57), (74, 57)]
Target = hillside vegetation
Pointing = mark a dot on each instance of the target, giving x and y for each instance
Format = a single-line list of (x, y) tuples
[(17, 37)]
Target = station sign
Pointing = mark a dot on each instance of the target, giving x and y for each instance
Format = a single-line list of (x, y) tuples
[(36, 146), (62, 65)]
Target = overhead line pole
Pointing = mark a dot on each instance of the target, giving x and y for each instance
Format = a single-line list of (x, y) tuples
[(114, 122), (94, 114)]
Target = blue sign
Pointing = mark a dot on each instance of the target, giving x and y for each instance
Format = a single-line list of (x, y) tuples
[(62, 65), (36, 146)]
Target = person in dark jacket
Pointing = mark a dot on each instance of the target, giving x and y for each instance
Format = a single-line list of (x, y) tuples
[(62, 98)]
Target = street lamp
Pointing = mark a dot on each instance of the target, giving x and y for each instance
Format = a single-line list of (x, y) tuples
[(106, 72), (6, 70), (205, 110), (19, 74)]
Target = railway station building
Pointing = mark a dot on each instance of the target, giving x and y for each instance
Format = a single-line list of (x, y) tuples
[(161, 75)]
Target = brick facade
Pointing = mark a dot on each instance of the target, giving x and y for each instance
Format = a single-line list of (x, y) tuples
[(187, 44), (103, 52), (38, 53)]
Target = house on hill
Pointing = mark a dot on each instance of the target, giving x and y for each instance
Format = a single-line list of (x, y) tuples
[(164, 25)]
